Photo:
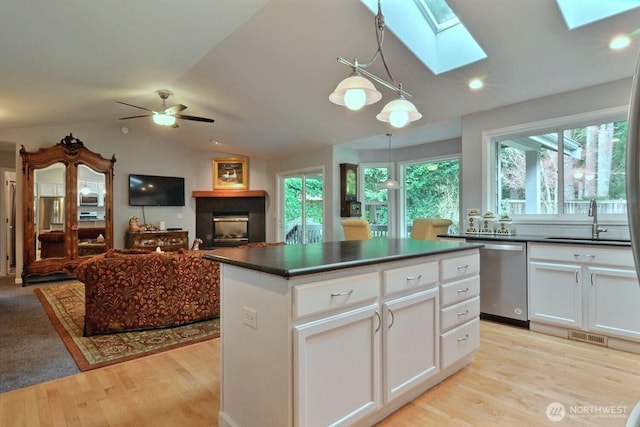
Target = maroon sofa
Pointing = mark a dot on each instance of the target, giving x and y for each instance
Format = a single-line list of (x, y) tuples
[(133, 289)]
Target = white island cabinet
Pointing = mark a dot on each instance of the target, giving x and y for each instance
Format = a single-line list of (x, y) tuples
[(587, 292), (340, 333)]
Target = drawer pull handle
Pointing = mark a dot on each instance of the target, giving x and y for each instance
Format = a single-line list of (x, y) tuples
[(584, 255), (341, 294), (379, 322), (463, 291), (463, 267), (418, 277), (466, 337), (393, 318), (577, 280), (463, 314)]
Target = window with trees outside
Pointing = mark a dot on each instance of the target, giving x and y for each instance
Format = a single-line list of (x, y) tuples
[(429, 189), (375, 202), (558, 172), (303, 207)]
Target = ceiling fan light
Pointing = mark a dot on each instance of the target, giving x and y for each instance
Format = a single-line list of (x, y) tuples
[(399, 112), (163, 119), (355, 92)]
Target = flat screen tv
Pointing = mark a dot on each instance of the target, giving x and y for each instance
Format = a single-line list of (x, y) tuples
[(151, 190)]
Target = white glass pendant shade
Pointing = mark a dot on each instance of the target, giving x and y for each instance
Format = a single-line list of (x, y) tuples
[(399, 112), (355, 92), (163, 119), (389, 184)]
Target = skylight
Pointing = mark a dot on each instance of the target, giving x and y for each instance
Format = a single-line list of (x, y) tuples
[(438, 14), (583, 12), (432, 31)]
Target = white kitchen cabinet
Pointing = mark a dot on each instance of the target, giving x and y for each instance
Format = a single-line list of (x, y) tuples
[(614, 299), (344, 347), (50, 189), (555, 293), (410, 344), (337, 368), (585, 288), (460, 308)]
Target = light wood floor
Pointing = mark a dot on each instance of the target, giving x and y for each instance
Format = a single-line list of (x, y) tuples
[(515, 376)]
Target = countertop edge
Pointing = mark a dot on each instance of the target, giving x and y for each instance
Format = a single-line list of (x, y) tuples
[(540, 239), (325, 267)]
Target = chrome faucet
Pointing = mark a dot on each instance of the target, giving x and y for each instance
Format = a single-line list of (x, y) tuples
[(593, 211)]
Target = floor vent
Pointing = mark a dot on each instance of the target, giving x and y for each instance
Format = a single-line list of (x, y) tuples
[(587, 337)]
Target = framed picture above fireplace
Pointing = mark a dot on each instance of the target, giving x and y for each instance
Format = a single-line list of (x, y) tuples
[(230, 174)]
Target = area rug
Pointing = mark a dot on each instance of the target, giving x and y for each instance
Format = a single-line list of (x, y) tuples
[(65, 306)]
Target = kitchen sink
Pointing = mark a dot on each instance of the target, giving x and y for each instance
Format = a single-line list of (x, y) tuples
[(588, 239)]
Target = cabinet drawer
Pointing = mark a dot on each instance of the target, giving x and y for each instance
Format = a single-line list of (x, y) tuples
[(454, 268), (459, 342), (452, 293), (458, 314), (335, 294), (400, 279), (586, 254)]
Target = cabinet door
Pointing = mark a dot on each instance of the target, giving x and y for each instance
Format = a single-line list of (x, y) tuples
[(409, 341), (337, 368), (555, 293), (614, 298)]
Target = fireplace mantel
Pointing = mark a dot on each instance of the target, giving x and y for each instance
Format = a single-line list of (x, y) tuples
[(228, 193)]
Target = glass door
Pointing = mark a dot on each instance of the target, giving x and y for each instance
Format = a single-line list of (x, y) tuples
[(302, 207)]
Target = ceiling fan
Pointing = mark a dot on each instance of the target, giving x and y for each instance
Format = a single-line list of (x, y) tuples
[(167, 115)]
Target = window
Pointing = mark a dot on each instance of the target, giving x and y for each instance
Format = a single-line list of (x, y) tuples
[(302, 207), (438, 14), (375, 202), (557, 172), (431, 190)]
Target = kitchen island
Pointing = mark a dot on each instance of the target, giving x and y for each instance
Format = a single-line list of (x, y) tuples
[(342, 333)]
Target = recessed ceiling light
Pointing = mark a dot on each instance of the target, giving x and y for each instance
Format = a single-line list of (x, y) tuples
[(214, 142), (620, 42), (475, 84)]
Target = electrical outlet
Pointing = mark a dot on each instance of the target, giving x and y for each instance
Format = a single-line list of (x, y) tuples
[(250, 317), (179, 215)]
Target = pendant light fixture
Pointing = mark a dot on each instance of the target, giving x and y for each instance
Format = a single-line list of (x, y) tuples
[(390, 183), (356, 91)]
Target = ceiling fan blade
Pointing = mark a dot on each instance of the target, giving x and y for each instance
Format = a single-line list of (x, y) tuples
[(134, 106), (135, 117), (197, 119), (175, 109)]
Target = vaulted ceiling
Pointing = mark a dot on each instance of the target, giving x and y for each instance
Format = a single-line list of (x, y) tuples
[(263, 69)]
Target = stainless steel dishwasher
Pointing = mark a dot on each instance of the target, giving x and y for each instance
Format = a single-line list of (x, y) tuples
[(503, 282)]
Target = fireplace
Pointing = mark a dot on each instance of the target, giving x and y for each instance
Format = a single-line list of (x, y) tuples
[(232, 228), (241, 214)]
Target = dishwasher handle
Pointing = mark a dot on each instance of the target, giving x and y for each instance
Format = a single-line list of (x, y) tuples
[(504, 247)]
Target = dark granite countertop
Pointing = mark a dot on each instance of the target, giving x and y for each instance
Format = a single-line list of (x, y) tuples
[(541, 239), (299, 260)]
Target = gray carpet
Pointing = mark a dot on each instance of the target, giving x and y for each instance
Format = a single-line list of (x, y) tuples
[(31, 351)]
